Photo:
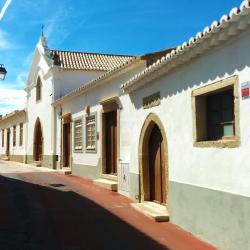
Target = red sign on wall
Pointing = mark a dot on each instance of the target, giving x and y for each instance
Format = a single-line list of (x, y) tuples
[(245, 91)]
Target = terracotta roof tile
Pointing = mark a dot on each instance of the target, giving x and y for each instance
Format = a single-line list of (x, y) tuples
[(87, 61)]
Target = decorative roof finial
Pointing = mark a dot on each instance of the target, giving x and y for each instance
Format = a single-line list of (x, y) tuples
[(43, 38), (42, 29)]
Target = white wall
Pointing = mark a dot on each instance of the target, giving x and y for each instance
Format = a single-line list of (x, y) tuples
[(216, 168), (55, 83), (68, 80), (92, 98), (15, 121), (41, 109)]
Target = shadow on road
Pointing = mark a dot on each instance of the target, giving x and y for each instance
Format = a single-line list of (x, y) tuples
[(37, 217)]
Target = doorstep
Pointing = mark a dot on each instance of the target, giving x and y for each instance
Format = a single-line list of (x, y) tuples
[(36, 163), (64, 170), (152, 210), (106, 183), (5, 158)]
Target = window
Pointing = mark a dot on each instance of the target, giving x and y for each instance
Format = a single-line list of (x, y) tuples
[(78, 135), (21, 135), (216, 114), (220, 115), (38, 89), (91, 132), (14, 136), (2, 137)]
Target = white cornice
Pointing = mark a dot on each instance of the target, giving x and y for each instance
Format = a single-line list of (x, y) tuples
[(12, 115)]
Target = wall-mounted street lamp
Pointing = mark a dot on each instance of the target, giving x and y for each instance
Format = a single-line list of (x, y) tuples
[(3, 72)]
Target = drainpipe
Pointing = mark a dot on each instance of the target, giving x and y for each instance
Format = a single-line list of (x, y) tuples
[(61, 139), (26, 130), (53, 136)]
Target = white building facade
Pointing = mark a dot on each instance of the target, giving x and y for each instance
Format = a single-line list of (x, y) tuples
[(54, 74), (168, 129), (13, 136), (196, 99)]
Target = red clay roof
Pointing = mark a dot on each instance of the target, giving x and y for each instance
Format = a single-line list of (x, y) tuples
[(88, 61)]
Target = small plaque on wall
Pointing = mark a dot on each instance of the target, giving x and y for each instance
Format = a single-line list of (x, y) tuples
[(245, 90), (152, 100)]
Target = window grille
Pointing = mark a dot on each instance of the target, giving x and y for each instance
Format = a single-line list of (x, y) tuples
[(21, 135), (91, 132), (78, 134)]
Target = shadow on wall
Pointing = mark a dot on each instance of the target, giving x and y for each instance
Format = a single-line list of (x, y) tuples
[(37, 217), (221, 62)]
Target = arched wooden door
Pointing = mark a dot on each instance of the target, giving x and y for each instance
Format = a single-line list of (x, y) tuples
[(153, 161), (157, 182), (38, 141)]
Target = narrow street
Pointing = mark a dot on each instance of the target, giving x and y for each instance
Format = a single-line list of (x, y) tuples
[(43, 209)]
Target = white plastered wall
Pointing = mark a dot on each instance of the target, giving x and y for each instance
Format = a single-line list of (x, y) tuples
[(55, 83), (8, 124), (68, 80), (225, 169), (77, 105), (42, 110)]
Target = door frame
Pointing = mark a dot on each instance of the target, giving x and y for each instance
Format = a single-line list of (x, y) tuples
[(109, 105), (149, 123)]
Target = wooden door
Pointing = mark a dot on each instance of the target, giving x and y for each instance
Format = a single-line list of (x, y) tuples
[(8, 143), (38, 142), (157, 182), (111, 142), (66, 145)]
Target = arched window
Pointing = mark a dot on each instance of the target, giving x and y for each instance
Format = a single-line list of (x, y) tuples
[(38, 89)]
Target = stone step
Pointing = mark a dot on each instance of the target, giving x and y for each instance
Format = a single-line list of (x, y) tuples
[(105, 183), (5, 158), (66, 171), (36, 163), (155, 206), (153, 210)]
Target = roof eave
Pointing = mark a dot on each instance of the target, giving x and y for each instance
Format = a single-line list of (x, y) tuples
[(13, 114)]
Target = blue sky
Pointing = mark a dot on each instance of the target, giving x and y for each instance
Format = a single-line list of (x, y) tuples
[(106, 26)]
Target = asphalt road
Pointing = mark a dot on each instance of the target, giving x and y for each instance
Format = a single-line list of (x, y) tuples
[(45, 217), (47, 210)]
